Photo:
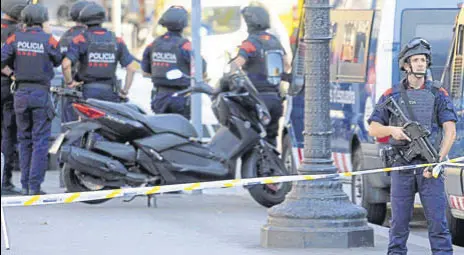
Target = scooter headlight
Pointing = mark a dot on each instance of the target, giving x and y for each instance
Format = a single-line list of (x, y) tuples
[(263, 115)]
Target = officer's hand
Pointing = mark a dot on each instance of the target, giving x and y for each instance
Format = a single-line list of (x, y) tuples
[(398, 134), (75, 84), (427, 172), (123, 94)]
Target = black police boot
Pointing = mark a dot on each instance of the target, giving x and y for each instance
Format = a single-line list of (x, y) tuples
[(24, 192), (36, 192), (9, 189)]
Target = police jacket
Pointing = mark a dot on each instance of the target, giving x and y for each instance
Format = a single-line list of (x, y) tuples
[(33, 54), (254, 50), (98, 52)]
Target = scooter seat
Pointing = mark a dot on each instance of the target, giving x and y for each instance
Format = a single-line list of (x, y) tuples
[(174, 123), (160, 123)]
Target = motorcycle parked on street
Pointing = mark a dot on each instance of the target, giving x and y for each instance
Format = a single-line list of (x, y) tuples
[(117, 145)]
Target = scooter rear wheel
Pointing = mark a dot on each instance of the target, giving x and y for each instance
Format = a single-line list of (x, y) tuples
[(75, 184)]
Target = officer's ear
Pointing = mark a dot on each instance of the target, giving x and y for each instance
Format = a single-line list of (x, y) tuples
[(407, 67)]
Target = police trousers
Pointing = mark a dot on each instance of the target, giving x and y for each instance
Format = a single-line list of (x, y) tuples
[(165, 102), (9, 132), (34, 114), (273, 102), (404, 185)]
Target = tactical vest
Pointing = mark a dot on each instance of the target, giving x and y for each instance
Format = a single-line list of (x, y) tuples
[(256, 67), (165, 56), (422, 105), (100, 62), (66, 40), (32, 61)]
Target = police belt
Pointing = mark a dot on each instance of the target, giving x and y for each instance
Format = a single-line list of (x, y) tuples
[(23, 85), (169, 89), (98, 85)]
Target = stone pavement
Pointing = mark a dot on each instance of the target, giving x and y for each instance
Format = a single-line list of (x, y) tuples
[(215, 222)]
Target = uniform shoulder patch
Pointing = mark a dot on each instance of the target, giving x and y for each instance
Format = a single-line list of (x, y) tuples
[(11, 39), (187, 46), (442, 90), (388, 92), (52, 41), (248, 46), (79, 39)]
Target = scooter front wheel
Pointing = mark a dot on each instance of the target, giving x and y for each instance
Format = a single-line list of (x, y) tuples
[(266, 195)]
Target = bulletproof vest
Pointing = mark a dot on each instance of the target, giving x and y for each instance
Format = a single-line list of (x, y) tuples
[(166, 55), (66, 40), (100, 62), (257, 67), (422, 105), (32, 60)]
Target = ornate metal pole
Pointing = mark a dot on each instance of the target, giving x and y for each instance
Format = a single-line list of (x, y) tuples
[(317, 213)]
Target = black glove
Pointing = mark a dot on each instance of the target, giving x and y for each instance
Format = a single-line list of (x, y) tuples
[(286, 77)]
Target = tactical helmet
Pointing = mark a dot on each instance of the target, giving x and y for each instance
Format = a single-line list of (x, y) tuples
[(76, 8), (175, 18), (256, 18), (92, 14), (13, 8), (34, 14), (416, 46)]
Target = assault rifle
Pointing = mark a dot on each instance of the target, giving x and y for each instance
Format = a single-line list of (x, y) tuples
[(420, 144)]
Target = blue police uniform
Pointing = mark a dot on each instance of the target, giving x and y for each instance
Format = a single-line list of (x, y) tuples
[(32, 53), (404, 184), (68, 114), (9, 129), (252, 51), (169, 51), (98, 52)]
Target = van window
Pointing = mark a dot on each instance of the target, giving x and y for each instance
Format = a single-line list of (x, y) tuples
[(350, 45), (434, 25)]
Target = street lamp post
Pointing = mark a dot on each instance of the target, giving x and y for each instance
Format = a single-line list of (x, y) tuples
[(317, 213)]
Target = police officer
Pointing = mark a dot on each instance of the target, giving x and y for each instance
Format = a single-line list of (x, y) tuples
[(98, 51), (167, 52), (414, 60), (33, 53), (12, 11), (68, 113), (254, 56)]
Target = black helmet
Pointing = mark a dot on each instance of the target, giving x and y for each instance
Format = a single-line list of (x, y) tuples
[(416, 46), (34, 14), (175, 18), (92, 14), (76, 8), (13, 8), (256, 18)]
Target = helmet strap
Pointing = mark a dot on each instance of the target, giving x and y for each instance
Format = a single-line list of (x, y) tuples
[(418, 75)]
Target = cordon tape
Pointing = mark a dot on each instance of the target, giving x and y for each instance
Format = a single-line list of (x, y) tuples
[(66, 198)]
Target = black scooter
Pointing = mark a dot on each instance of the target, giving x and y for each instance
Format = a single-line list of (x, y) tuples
[(117, 145)]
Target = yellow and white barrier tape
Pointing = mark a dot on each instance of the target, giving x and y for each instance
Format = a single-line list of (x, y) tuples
[(66, 198)]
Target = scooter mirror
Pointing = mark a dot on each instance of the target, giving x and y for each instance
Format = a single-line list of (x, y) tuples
[(174, 74)]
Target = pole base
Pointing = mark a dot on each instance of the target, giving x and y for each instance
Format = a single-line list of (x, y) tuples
[(302, 237), (317, 214)]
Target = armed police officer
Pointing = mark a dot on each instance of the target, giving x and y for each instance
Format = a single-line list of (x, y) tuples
[(413, 96), (167, 52), (68, 113), (32, 53), (98, 51), (10, 23), (262, 56)]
